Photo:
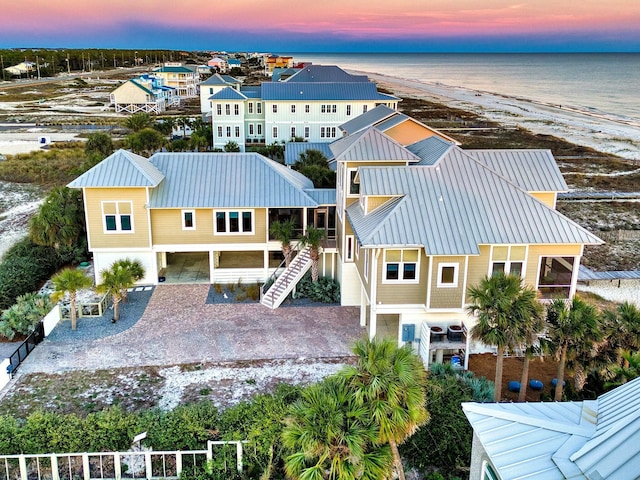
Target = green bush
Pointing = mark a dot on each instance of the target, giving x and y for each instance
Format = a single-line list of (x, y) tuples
[(187, 427), (8, 435), (325, 290), (25, 314), (109, 430)]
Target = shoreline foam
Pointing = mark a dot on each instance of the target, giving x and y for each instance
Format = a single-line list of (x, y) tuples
[(598, 131)]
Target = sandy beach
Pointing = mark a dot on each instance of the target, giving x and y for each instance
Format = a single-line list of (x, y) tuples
[(582, 128), (13, 143)]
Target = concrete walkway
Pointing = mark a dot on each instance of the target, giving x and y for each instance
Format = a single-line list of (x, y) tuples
[(178, 327)]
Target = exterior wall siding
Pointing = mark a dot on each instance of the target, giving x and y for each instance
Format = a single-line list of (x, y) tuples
[(403, 293), (98, 238), (447, 297), (167, 228)]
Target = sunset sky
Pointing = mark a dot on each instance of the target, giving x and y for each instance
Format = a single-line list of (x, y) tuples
[(326, 25)]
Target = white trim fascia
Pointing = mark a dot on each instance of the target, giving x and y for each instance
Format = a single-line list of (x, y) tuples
[(86, 218), (122, 249), (400, 308), (446, 310), (427, 303), (216, 247)]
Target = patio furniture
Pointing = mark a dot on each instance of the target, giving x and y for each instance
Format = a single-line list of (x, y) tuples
[(554, 382)]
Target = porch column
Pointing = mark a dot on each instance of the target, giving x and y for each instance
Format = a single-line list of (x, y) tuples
[(304, 220), (212, 266), (266, 263), (363, 308), (574, 276)]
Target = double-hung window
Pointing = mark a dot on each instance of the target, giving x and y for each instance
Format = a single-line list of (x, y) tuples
[(259, 128), (258, 107), (227, 109), (228, 131), (275, 132), (293, 132), (250, 107), (293, 108), (236, 109), (307, 108), (219, 131), (274, 108), (219, 108), (237, 131), (251, 129), (118, 217), (307, 132), (233, 222), (401, 265), (348, 110)]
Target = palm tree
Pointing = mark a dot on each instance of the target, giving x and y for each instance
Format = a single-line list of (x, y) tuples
[(138, 121), (70, 281), (504, 308), (59, 220), (531, 330), (390, 382), (283, 232), (573, 333), (115, 281), (185, 123), (622, 327), (332, 436), (313, 238), (134, 267), (628, 372)]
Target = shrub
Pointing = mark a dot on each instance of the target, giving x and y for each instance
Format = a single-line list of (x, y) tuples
[(325, 290), (8, 435), (110, 429), (23, 316), (187, 427)]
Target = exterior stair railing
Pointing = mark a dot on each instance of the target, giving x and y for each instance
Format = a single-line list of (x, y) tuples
[(284, 279)]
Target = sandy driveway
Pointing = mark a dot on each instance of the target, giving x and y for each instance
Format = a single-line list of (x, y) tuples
[(178, 327)]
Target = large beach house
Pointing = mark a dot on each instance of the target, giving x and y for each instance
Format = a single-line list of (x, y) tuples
[(408, 229), (311, 104)]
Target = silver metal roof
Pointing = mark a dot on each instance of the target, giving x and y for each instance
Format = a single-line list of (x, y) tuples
[(324, 73), (468, 203), (292, 150), (370, 145), (227, 180), (532, 170), (430, 150), (121, 169), (585, 274), (323, 196), (594, 439), (325, 91), (228, 93), (367, 119)]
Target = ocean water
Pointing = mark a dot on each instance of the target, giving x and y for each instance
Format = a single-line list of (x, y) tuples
[(601, 83)]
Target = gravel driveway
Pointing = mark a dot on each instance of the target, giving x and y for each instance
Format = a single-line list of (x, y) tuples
[(177, 327)]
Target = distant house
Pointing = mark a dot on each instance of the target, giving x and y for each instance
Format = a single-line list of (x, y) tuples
[(219, 63), (213, 85), (21, 69), (591, 439), (144, 94), (276, 61), (183, 79), (234, 63), (311, 104)]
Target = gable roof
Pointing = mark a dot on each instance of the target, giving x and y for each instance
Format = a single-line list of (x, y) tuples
[(367, 119), (173, 69), (593, 439), (228, 93), (532, 170), (430, 150), (370, 145), (470, 204), (120, 169), (292, 150), (140, 86), (326, 91), (217, 79), (227, 180), (324, 73)]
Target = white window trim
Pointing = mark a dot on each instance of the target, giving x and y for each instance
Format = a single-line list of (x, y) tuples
[(118, 215), (366, 264), (226, 219), (348, 251), (400, 268), (193, 216), (456, 273), (348, 184)]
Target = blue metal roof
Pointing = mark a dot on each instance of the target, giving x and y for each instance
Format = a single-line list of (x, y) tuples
[(324, 196), (367, 119), (301, 91), (429, 150), (228, 93), (324, 73)]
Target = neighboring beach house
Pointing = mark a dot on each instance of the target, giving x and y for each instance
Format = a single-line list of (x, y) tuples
[(592, 439), (312, 105), (219, 63), (144, 94), (409, 228), (213, 85), (214, 208), (183, 79)]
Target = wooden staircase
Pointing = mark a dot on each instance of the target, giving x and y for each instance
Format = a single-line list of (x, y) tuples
[(289, 278)]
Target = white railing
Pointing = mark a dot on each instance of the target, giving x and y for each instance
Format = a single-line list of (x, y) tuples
[(111, 465)]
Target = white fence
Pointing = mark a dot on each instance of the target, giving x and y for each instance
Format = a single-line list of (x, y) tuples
[(112, 465)]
